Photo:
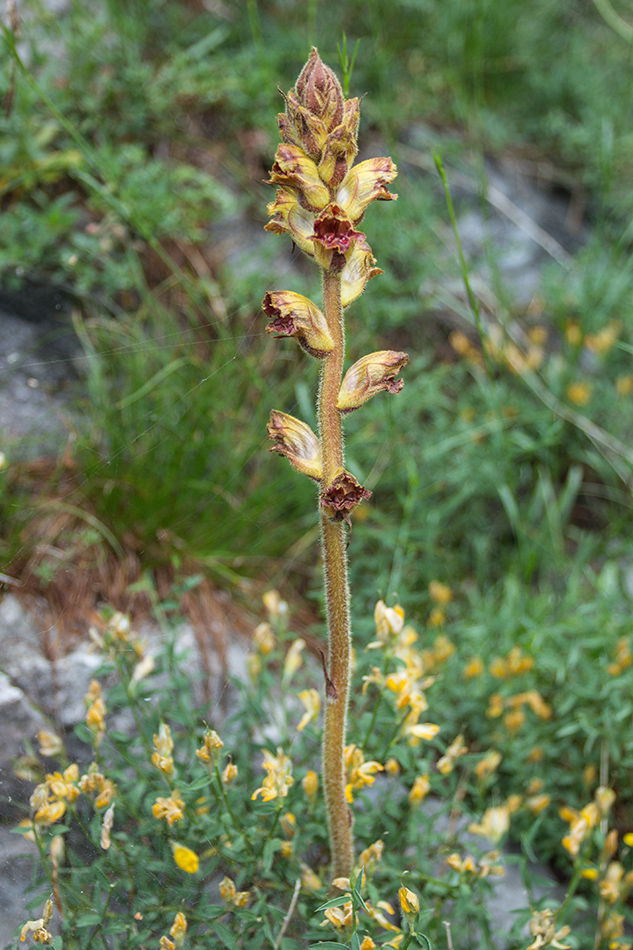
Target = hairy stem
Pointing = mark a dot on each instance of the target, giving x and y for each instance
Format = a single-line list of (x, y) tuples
[(336, 594)]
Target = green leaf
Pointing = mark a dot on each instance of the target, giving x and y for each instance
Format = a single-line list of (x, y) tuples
[(335, 902), (225, 935)]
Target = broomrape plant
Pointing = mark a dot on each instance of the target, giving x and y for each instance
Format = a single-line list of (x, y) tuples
[(321, 200)]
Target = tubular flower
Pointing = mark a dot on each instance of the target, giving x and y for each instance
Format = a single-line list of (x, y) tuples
[(292, 167), (342, 495), (488, 764), (294, 315), (297, 442), (278, 778), (372, 374), (371, 856), (229, 773)]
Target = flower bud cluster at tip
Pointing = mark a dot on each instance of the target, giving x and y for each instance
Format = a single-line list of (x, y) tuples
[(321, 197)]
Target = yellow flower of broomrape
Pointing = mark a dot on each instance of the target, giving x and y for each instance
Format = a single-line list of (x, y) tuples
[(457, 748), (294, 315), (278, 779), (369, 375)]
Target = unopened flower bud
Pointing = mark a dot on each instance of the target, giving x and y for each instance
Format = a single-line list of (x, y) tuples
[(342, 495), (319, 90), (294, 315), (297, 442), (372, 374)]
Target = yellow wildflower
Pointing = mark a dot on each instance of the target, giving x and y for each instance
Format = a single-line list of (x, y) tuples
[(488, 764), (277, 607), (368, 943), (229, 773), (514, 719), (419, 790), (456, 749), (392, 766), (310, 880), (579, 393), (474, 667), (536, 803), (611, 883), (164, 745), (230, 894), (624, 385), (495, 706), (96, 711), (278, 776), (543, 929), (573, 333), (389, 620), (106, 827), (437, 617), (178, 928), (171, 809), (339, 917), (312, 702), (264, 639), (50, 744), (440, 593), (186, 859), (494, 824), (409, 901), (359, 772), (310, 784), (604, 798), (602, 341), (293, 659), (535, 754), (210, 748), (370, 857)]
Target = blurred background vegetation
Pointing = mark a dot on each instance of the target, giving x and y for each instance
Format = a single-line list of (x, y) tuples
[(135, 140)]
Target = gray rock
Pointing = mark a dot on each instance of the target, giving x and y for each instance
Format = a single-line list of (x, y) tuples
[(16, 862), (20, 721)]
